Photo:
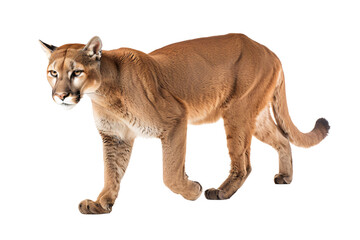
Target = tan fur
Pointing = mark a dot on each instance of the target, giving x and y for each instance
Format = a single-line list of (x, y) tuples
[(158, 94)]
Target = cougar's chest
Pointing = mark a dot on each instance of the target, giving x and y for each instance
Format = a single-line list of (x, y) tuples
[(113, 127), (127, 126)]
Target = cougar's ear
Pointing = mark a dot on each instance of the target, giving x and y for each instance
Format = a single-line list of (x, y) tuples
[(48, 49), (93, 48)]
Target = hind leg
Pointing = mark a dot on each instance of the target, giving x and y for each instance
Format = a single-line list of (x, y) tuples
[(238, 127), (267, 132)]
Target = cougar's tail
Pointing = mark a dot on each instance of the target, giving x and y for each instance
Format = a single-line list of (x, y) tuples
[(283, 120)]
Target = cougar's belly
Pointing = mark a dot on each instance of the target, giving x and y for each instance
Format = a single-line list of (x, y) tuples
[(206, 110), (204, 117)]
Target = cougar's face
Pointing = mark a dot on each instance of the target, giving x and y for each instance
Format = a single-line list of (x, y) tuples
[(72, 72)]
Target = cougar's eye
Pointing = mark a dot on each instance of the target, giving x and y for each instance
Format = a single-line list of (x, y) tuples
[(77, 73), (53, 73)]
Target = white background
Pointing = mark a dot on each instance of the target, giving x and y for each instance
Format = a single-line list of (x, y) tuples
[(51, 159)]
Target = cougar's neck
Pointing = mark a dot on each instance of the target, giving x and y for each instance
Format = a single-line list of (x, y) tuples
[(110, 80), (116, 69)]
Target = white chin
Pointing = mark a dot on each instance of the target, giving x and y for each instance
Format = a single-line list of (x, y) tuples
[(67, 106)]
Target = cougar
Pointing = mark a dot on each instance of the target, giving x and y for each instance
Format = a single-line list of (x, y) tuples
[(160, 93)]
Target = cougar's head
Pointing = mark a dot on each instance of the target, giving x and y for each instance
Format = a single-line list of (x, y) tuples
[(73, 70)]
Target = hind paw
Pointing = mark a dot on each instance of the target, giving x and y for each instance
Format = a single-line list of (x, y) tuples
[(214, 194), (282, 179)]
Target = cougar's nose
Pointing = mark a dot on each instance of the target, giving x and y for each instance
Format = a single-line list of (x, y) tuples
[(61, 95)]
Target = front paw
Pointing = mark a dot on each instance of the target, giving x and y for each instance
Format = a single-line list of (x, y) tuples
[(193, 191), (90, 207)]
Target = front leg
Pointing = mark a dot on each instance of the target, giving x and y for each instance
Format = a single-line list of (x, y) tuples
[(174, 148), (116, 158)]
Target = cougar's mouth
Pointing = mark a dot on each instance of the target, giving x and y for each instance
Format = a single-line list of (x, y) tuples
[(67, 101)]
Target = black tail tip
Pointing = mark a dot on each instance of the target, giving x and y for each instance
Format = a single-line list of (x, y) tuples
[(323, 123)]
